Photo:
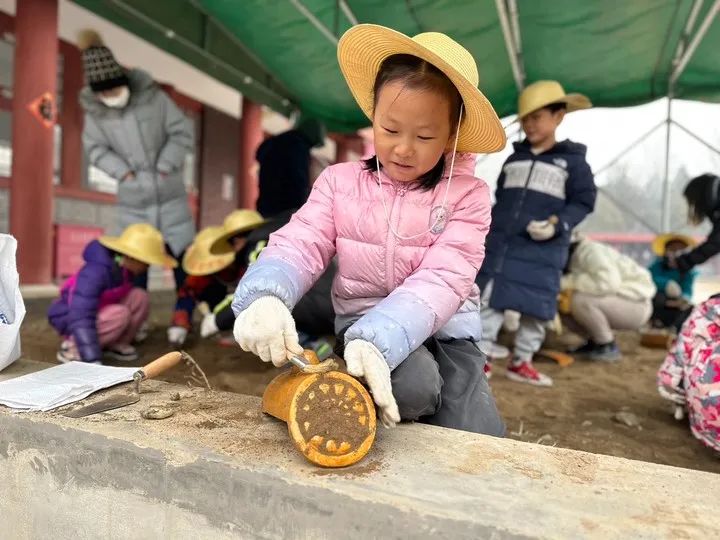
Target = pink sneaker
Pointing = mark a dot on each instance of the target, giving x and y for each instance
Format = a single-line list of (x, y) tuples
[(524, 371)]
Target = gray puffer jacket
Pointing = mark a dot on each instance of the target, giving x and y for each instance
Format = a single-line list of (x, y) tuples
[(151, 137)]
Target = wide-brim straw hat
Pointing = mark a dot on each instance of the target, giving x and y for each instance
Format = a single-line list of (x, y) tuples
[(236, 222), (660, 242), (142, 242), (199, 261), (364, 47), (543, 93)]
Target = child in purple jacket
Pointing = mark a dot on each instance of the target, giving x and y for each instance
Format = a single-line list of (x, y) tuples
[(99, 309)]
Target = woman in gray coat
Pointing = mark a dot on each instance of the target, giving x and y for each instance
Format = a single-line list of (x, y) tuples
[(136, 134)]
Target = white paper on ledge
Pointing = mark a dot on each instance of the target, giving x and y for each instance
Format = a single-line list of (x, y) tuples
[(59, 385)]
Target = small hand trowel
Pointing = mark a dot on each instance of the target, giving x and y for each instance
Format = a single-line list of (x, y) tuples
[(153, 369)]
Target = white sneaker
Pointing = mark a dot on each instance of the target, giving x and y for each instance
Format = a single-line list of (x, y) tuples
[(142, 333), (493, 350)]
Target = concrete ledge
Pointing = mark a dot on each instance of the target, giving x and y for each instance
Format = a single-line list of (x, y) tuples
[(218, 468)]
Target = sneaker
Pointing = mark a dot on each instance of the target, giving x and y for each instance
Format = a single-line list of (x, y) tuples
[(67, 354), (142, 333), (585, 348), (523, 371), (488, 370), (493, 350), (122, 353), (609, 352)]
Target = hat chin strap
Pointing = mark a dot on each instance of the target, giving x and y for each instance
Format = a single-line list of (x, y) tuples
[(442, 213)]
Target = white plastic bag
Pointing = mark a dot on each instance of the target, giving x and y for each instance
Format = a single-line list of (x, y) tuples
[(12, 307)]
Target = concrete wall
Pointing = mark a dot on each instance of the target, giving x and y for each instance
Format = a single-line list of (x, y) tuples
[(77, 212), (218, 468), (69, 211)]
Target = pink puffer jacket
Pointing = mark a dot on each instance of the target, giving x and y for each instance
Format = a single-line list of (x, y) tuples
[(397, 291)]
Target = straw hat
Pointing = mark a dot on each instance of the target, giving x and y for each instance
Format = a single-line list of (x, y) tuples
[(236, 222), (142, 242), (543, 93), (661, 242), (199, 261), (364, 47)]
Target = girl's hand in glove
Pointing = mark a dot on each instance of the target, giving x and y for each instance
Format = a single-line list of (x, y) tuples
[(364, 360), (541, 231), (673, 289), (266, 328)]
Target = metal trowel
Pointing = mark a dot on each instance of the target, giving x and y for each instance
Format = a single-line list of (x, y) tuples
[(153, 369)]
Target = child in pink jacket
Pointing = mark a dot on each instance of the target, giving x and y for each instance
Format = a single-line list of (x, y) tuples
[(408, 227)]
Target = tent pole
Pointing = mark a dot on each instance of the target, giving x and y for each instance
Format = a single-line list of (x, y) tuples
[(348, 12), (697, 38), (212, 59), (689, 25), (312, 19), (510, 43), (696, 137), (632, 145), (665, 226)]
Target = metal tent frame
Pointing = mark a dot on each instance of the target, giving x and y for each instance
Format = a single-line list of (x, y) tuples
[(686, 47)]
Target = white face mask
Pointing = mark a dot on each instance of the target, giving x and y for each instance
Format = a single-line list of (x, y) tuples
[(119, 101)]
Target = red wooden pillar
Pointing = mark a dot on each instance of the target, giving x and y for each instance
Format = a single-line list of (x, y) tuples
[(251, 135), (71, 118), (31, 185)]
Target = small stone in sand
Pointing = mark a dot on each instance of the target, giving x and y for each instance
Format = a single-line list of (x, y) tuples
[(175, 396), (157, 413), (586, 423), (545, 439), (627, 418)]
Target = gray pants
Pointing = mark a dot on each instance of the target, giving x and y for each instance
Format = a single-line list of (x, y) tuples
[(528, 339), (596, 317), (443, 383)]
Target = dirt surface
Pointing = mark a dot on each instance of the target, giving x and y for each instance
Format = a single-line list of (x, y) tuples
[(578, 412)]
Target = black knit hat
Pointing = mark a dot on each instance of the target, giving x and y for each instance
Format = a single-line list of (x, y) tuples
[(102, 71)]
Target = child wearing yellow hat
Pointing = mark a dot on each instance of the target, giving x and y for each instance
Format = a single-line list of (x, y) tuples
[(408, 228), (213, 276), (99, 308), (545, 189), (673, 302)]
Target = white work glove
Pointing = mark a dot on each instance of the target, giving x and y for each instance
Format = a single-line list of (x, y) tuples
[(364, 360), (511, 320), (266, 328), (177, 335), (541, 231), (673, 289), (208, 326)]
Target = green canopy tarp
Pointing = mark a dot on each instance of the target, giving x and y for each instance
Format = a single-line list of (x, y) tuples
[(618, 52)]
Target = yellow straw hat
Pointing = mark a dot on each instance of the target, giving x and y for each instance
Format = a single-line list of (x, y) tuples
[(543, 93), (236, 222), (142, 242), (364, 47), (661, 242), (199, 261)]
